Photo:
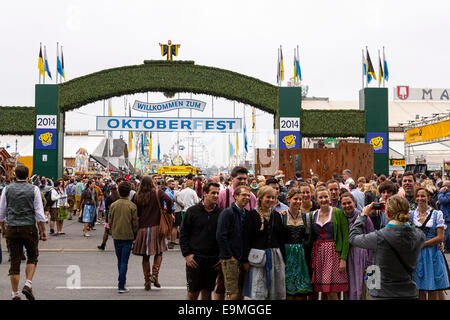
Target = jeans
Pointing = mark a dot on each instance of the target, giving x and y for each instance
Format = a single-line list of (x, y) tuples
[(123, 250), (447, 236)]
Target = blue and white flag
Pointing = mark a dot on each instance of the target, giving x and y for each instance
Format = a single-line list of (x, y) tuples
[(159, 152), (59, 66), (245, 139), (386, 72), (47, 69), (142, 145)]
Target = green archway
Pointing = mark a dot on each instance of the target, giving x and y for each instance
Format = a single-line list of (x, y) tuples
[(182, 76), (167, 76)]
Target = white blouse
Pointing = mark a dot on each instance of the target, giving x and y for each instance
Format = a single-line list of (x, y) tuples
[(440, 222), (330, 215)]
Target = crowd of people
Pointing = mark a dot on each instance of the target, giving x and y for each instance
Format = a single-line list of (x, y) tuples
[(250, 236)]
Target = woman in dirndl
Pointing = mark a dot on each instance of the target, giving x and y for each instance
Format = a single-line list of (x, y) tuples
[(431, 274), (148, 241), (295, 226), (263, 230), (89, 205), (329, 237)]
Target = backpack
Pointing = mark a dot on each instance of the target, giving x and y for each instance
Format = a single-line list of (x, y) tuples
[(48, 198)]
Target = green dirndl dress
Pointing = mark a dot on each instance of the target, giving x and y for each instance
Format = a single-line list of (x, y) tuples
[(298, 279)]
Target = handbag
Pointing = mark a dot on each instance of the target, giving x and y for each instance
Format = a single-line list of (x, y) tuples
[(165, 221), (257, 258)]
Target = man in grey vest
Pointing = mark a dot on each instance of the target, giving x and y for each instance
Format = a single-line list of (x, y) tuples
[(21, 208)]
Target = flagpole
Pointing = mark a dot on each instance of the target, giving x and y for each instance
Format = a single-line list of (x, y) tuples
[(362, 75), (178, 133), (62, 65), (253, 137), (57, 57), (40, 50), (298, 61), (234, 116), (278, 68), (109, 142), (383, 66), (192, 138), (367, 68), (45, 47), (379, 66), (245, 133), (44, 63)]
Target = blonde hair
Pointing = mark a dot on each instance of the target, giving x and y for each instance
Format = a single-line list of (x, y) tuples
[(189, 184), (261, 179), (398, 209), (428, 185), (262, 192), (371, 186)]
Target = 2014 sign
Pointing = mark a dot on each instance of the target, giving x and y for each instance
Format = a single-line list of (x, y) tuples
[(289, 124), (45, 122)]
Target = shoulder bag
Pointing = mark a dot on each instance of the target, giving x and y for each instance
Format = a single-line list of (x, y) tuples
[(257, 258), (165, 220)]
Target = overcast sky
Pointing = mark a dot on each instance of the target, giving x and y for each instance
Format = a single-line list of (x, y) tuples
[(242, 36)]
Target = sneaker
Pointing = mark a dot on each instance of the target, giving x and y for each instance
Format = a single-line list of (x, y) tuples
[(16, 298), (28, 292), (124, 290), (170, 245), (52, 231)]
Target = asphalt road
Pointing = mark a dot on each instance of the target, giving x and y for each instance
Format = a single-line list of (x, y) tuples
[(63, 258)]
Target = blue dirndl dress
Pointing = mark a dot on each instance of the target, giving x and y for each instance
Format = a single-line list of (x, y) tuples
[(88, 213), (431, 271)]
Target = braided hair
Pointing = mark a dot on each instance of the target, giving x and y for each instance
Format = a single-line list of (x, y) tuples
[(262, 192)]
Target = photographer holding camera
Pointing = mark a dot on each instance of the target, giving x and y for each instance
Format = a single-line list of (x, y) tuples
[(396, 249), (386, 190)]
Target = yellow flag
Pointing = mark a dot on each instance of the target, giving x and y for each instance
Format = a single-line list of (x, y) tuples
[(253, 120), (150, 147), (41, 63), (130, 141)]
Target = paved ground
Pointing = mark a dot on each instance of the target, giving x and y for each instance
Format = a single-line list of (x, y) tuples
[(61, 258)]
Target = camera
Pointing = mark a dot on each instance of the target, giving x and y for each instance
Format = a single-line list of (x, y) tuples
[(378, 206)]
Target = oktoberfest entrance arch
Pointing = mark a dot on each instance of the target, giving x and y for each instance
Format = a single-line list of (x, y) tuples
[(46, 119)]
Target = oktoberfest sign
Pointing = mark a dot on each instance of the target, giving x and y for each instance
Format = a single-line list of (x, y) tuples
[(224, 125), (188, 104)]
